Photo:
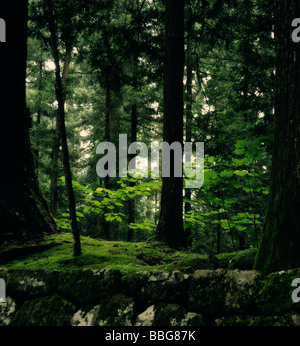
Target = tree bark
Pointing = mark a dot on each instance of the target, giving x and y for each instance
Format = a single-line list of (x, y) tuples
[(170, 226), (39, 112), (106, 224), (23, 211), (279, 247), (131, 202), (57, 136), (133, 137), (61, 120), (189, 114)]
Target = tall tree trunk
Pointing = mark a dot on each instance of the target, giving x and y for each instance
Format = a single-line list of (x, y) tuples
[(57, 136), (131, 202), (23, 211), (106, 224), (133, 137), (62, 127), (279, 247), (39, 111), (170, 226), (110, 121), (134, 110), (189, 114)]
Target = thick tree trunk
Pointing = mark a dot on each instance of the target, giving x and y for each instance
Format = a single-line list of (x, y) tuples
[(280, 243), (170, 226), (23, 211)]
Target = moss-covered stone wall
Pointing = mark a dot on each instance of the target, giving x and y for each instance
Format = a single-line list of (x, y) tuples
[(157, 298)]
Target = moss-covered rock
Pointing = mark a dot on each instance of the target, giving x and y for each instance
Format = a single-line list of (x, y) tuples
[(149, 298), (146, 318), (222, 291), (168, 315), (26, 284), (117, 311), (206, 293), (241, 287), (156, 286), (7, 311), (175, 315), (260, 321), (243, 260), (191, 265), (274, 296), (85, 287), (46, 311)]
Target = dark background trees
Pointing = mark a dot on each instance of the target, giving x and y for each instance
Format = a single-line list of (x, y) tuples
[(121, 73)]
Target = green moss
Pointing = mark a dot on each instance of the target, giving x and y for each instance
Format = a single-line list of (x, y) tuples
[(274, 295), (243, 260), (123, 256), (190, 265), (79, 286), (116, 311), (46, 311)]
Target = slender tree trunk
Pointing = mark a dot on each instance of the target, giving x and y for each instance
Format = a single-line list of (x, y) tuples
[(170, 226), (54, 169), (134, 110), (23, 211), (133, 137), (39, 111), (62, 127), (106, 224), (189, 114), (57, 137), (131, 202), (279, 247), (110, 122)]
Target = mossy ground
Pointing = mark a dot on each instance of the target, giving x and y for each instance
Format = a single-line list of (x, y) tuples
[(100, 254)]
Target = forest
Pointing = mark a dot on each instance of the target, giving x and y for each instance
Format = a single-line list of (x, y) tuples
[(224, 73)]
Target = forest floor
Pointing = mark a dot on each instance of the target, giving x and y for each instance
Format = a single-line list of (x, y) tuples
[(55, 253)]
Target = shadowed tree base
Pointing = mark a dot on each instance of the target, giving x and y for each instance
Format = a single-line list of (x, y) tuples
[(24, 214), (23, 211)]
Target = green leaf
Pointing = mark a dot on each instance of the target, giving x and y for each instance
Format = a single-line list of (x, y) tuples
[(239, 151), (241, 173), (226, 174), (242, 143)]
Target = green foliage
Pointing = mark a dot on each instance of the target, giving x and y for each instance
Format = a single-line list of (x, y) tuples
[(233, 191), (118, 52), (109, 202)]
